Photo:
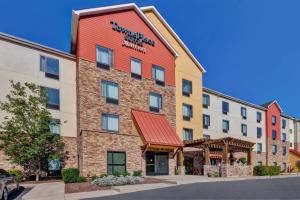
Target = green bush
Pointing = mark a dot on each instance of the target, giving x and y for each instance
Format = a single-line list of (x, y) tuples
[(137, 173), (81, 179), (117, 174), (94, 177), (126, 173), (266, 170), (70, 175), (103, 175), (243, 160), (17, 173)]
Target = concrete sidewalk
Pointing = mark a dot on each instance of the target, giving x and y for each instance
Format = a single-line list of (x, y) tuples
[(47, 191)]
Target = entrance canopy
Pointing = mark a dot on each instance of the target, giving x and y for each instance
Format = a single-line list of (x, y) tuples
[(225, 145), (155, 129)]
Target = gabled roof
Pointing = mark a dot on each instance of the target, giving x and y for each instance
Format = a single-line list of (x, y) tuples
[(35, 46), (165, 23), (155, 129), (268, 104), (76, 14), (297, 153)]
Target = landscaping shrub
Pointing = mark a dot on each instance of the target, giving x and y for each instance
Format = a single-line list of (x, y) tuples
[(17, 173), (266, 170), (243, 160), (117, 180), (137, 173), (70, 175), (126, 173), (94, 177), (103, 175), (81, 179), (117, 173)]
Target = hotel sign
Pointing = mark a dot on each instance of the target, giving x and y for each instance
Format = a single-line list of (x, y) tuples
[(133, 40)]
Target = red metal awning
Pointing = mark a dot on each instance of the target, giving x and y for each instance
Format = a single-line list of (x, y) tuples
[(155, 129)]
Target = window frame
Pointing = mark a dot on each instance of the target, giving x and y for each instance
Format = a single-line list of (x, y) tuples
[(135, 75), (274, 131), (284, 150), (244, 128), (44, 68), (49, 105), (275, 147), (274, 119), (113, 165), (158, 82), (203, 100), (260, 145), (224, 111), (257, 132), (108, 99), (228, 125), (101, 65), (244, 111), (258, 117), (187, 118), (204, 125), (56, 123), (283, 139), (283, 123), (109, 115), (189, 130), (160, 105), (184, 93)]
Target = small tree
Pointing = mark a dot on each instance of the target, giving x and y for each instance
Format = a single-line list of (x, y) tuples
[(298, 165), (26, 136)]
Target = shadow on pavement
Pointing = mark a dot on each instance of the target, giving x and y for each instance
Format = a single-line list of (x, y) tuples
[(17, 195)]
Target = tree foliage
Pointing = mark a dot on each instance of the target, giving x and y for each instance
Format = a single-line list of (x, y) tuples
[(25, 133)]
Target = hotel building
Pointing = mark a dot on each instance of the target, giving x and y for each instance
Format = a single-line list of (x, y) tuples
[(129, 96)]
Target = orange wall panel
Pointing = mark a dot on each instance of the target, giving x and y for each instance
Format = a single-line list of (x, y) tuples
[(97, 30)]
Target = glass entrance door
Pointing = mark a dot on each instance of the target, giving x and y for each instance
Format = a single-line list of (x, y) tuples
[(157, 163)]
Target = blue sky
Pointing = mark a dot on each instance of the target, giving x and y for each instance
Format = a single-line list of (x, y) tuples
[(250, 48)]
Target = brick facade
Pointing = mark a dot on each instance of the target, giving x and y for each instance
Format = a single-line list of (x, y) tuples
[(278, 157), (70, 152), (133, 94)]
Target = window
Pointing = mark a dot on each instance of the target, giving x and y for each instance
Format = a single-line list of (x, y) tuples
[(259, 132), (155, 102), (50, 66), (274, 134), (244, 129), (104, 57), (259, 163), (116, 162), (158, 74), (283, 123), (244, 112), (187, 111), (136, 68), (225, 107), (273, 119), (225, 125), (206, 121), (284, 150), (110, 91), (206, 100), (259, 147), (291, 144), (52, 97), (187, 87), (54, 126), (206, 136), (187, 134), (258, 117), (274, 163), (274, 149), (110, 122), (283, 137)]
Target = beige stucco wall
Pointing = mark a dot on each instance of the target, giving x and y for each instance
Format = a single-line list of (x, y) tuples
[(20, 63), (185, 69), (293, 158), (235, 119)]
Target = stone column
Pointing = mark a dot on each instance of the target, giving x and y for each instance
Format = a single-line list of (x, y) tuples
[(206, 156), (180, 165), (249, 156)]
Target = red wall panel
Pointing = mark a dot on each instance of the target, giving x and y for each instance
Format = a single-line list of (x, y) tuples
[(97, 30), (273, 110)]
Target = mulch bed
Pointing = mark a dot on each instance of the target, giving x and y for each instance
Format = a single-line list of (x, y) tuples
[(83, 187), (88, 186)]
